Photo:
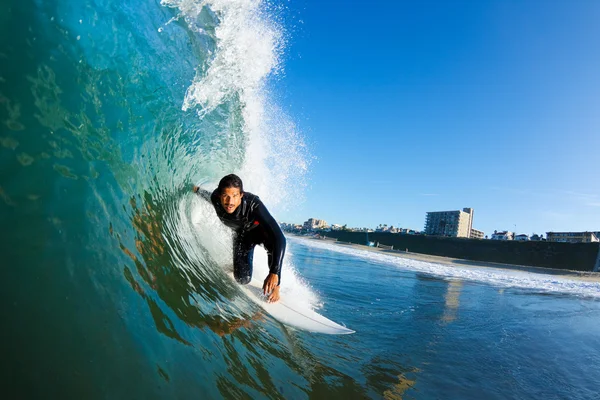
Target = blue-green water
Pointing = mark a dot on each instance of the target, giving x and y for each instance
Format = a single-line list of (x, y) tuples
[(112, 281), (426, 337)]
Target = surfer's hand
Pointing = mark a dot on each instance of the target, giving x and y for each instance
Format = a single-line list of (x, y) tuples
[(270, 283), (274, 296), (196, 188)]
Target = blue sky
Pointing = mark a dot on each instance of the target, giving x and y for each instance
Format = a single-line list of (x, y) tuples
[(422, 106)]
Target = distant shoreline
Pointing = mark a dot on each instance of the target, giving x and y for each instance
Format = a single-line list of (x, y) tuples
[(571, 274)]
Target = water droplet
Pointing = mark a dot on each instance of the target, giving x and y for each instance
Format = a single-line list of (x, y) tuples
[(81, 21), (78, 37)]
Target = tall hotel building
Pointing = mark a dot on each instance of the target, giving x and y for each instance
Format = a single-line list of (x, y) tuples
[(450, 223)]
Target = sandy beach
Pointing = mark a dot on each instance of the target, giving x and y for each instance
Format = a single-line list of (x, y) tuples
[(576, 275)]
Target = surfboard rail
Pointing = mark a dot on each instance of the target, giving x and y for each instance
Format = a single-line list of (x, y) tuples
[(295, 315)]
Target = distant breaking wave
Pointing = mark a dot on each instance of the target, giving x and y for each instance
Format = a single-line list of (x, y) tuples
[(503, 278)]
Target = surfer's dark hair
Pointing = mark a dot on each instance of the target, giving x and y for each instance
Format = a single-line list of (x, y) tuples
[(231, 181)]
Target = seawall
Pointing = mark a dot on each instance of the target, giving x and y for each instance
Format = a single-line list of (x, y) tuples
[(569, 256)]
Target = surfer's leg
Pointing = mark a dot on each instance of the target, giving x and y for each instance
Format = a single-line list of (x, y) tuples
[(243, 252)]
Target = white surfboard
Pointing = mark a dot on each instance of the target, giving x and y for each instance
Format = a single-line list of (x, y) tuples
[(295, 314)]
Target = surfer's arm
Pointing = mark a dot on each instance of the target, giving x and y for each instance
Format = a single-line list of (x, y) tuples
[(275, 237), (205, 194)]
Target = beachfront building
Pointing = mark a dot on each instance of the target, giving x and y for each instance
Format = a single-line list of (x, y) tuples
[(522, 238), (382, 228), (476, 234), (536, 238), (450, 223), (286, 227), (408, 231), (385, 228), (314, 224), (503, 235), (572, 237)]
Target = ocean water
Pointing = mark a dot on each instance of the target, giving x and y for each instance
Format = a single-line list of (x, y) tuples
[(424, 333), (113, 279)]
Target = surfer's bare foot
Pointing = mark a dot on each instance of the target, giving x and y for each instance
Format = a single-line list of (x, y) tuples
[(274, 296)]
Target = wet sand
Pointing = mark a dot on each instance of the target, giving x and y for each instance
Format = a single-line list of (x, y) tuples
[(570, 274)]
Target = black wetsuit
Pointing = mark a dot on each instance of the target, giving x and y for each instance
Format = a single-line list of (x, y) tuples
[(253, 225)]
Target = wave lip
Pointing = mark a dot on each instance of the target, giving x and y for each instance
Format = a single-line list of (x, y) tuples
[(248, 46), (231, 84)]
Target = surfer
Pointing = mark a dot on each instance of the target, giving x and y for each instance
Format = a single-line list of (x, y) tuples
[(245, 213)]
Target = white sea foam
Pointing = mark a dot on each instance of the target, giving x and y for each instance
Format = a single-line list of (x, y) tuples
[(215, 239), (248, 48), (493, 276)]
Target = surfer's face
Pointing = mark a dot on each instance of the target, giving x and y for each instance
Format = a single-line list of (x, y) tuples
[(231, 198)]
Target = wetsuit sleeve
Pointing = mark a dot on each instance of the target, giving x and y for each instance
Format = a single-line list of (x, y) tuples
[(205, 194), (274, 236)]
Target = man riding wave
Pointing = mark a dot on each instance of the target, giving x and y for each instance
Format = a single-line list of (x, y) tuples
[(245, 213)]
